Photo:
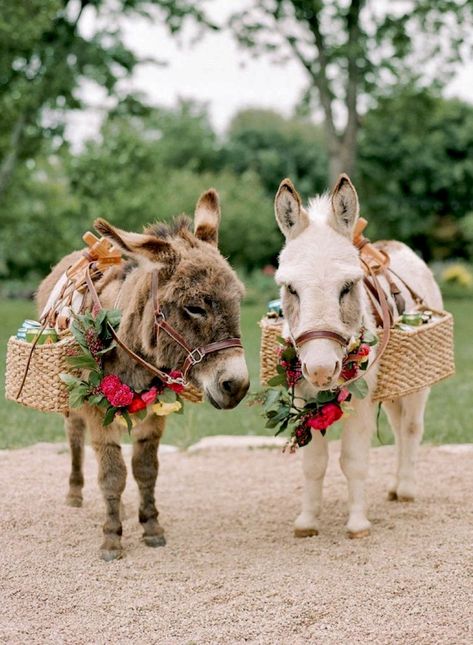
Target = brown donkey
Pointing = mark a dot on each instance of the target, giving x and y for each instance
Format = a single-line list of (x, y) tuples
[(200, 296)]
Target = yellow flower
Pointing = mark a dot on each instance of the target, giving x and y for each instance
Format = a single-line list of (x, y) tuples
[(162, 409), (458, 274)]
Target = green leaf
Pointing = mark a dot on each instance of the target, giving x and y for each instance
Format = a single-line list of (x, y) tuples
[(95, 378), (129, 423), (325, 396), (272, 397), (358, 388), (280, 379), (109, 416), (85, 362), (369, 338), (114, 317), (169, 396), (95, 399), (76, 398), (141, 414), (181, 401), (69, 380)]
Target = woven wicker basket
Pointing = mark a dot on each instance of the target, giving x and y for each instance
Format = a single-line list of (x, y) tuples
[(413, 359), (43, 389)]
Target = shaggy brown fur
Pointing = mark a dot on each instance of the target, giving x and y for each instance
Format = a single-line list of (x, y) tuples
[(200, 296)]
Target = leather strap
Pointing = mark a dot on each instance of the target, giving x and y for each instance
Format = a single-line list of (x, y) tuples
[(315, 334), (163, 376), (193, 357)]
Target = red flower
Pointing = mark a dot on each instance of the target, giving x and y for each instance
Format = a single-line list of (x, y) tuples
[(137, 404), (116, 392), (349, 372), (360, 355), (176, 387), (110, 384), (149, 397), (324, 418)]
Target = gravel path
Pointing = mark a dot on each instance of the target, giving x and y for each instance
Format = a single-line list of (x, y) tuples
[(232, 572)]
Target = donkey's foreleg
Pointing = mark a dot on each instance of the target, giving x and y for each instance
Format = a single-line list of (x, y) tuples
[(314, 459), (75, 430), (145, 470), (356, 439), (412, 429), (112, 480)]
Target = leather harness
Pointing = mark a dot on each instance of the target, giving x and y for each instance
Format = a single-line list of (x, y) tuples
[(194, 355)]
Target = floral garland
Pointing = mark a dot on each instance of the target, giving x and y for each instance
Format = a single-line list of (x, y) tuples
[(118, 400), (283, 409)]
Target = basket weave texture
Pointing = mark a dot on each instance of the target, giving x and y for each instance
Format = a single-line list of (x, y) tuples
[(43, 389), (412, 360)]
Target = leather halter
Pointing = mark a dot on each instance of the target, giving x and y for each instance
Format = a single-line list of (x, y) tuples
[(385, 315), (196, 355), (193, 357)]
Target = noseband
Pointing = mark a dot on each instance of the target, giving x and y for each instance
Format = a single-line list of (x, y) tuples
[(316, 334), (193, 356)]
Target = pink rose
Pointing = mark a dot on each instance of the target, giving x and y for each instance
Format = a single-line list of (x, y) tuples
[(343, 395), (150, 395)]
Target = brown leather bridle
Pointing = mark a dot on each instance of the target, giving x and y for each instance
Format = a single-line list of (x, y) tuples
[(372, 284), (193, 355)]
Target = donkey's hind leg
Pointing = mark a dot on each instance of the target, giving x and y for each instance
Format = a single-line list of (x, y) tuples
[(412, 429), (145, 471), (75, 430)]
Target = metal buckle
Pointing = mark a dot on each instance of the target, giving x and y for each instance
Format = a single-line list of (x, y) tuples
[(159, 318), (194, 360)]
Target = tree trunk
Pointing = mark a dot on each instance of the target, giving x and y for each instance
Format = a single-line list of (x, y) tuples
[(7, 166), (342, 157)]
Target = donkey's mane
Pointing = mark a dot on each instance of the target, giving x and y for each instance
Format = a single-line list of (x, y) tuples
[(179, 226), (319, 208)]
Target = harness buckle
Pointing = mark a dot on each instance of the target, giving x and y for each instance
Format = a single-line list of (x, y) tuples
[(159, 318), (196, 356)]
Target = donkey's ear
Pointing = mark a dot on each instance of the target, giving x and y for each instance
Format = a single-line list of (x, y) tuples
[(290, 216), (345, 207), (207, 217), (136, 245)]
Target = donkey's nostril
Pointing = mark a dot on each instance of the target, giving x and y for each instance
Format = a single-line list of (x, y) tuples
[(337, 367), (229, 386)]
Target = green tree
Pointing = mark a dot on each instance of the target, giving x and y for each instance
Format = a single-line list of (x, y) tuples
[(351, 51), (44, 57), (416, 171), (275, 147)]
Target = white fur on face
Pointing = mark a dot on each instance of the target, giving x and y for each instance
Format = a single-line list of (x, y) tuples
[(317, 265)]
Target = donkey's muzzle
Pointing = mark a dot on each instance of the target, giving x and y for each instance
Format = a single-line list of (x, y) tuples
[(229, 392)]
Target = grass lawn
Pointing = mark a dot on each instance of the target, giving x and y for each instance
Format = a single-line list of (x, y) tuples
[(448, 412)]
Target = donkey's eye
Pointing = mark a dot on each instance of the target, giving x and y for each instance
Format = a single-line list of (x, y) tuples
[(195, 311), (291, 289), (347, 287)]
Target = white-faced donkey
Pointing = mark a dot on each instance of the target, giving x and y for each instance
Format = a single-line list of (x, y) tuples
[(199, 298), (322, 289)]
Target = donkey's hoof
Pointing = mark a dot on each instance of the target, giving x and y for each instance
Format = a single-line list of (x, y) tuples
[(74, 500), (405, 498), (357, 535), (392, 496), (304, 533), (154, 540), (108, 555)]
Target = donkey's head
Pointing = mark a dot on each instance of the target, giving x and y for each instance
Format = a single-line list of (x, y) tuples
[(320, 275), (199, 296)]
